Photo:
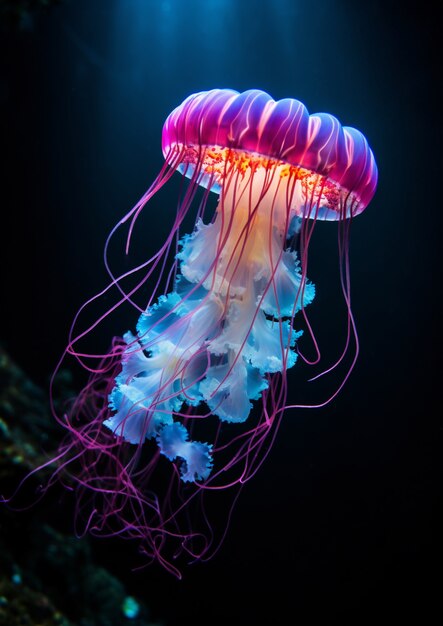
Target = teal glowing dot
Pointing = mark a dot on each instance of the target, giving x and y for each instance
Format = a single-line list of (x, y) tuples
[(130, 607)]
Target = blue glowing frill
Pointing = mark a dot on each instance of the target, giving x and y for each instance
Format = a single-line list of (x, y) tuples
[(200, 344)]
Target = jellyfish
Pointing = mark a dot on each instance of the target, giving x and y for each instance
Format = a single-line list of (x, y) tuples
[(185, 405)]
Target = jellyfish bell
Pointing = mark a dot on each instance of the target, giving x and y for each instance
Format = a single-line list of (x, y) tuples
[(220, 337), (253, 132)]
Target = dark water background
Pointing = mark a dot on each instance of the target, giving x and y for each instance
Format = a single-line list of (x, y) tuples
[(338, 525)]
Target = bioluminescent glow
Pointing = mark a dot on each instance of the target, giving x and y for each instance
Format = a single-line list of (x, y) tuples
[(165, 421)]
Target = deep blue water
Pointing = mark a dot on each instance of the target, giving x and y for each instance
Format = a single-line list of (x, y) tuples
[(337, 526)]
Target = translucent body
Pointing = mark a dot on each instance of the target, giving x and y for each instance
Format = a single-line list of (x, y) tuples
[(163, 422), (225, 327)]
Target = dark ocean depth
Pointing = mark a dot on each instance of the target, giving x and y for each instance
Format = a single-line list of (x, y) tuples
[(339, 524)]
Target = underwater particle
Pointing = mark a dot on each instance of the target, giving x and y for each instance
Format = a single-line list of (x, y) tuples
[(130, 607), (23, 606), (4, 430)]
